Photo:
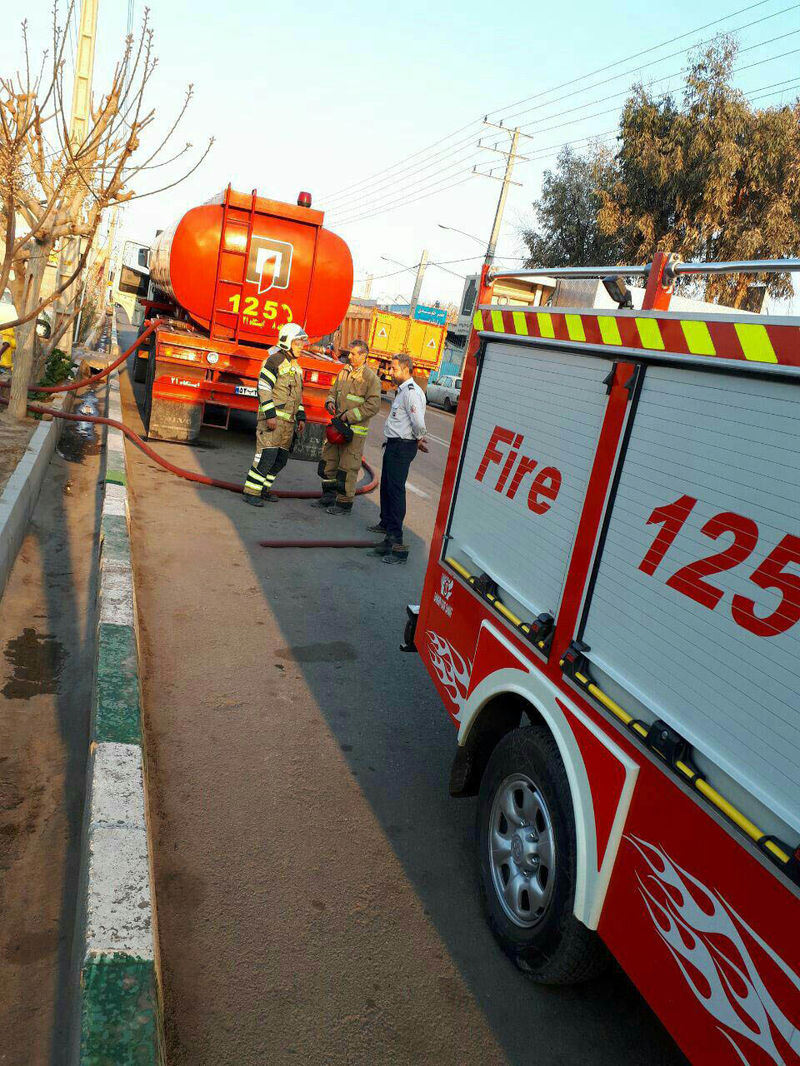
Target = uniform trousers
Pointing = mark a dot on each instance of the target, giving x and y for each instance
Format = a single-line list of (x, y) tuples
[(397, 458)]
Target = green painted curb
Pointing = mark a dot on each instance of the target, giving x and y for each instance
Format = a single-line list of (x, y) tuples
[(117, 686), (114, 533), (116, 475), (119, 1013)]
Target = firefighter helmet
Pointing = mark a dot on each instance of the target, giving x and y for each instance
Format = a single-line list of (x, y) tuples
[(338, 432), (291, 332)]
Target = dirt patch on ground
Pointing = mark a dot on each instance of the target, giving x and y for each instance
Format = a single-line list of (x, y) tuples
[(14, 437)]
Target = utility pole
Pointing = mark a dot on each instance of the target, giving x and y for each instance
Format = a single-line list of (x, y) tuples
[(511, 158), (78, 128), (423, 263), (421, 267)]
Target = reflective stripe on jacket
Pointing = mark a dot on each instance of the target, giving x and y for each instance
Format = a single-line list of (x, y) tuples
[(356, 395), (280, 387)]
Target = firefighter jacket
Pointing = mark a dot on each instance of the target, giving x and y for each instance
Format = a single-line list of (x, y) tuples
[(356, 395), (280, 387)]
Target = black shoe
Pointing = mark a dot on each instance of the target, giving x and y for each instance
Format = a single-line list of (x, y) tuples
[(377, 528), (398, 554), (269, 497), (254, 501), (323, 502), (340, 508), (382, 549)]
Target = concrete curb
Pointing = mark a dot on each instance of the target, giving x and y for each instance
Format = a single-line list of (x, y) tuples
[(121, 1019), (21, 491)]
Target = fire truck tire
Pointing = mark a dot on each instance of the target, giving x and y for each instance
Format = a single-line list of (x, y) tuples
[(527, 861)]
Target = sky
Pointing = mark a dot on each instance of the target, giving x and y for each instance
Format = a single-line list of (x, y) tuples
[(377, 110)]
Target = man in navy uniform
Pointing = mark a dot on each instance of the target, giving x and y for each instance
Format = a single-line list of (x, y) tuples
[(404, 432)]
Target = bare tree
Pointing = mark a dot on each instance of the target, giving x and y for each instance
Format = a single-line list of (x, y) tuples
[(55, 187)]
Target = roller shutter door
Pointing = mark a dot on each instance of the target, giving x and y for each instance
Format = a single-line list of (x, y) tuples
[(697, 595), (550, 404)]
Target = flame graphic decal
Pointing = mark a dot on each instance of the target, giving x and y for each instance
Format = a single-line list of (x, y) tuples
[(452, 669), (706, 938)]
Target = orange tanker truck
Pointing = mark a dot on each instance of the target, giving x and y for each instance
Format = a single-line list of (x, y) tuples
[(227, 276)]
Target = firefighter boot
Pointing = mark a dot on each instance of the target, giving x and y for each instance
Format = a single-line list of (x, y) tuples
[(341, 508), (328, 496), (254, 501)]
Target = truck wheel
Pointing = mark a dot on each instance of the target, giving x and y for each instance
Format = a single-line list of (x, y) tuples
[(139, 368), (527, 858), (150, 377), (447, 404)]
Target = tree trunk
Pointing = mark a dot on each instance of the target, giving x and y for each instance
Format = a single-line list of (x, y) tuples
[(25, 354)]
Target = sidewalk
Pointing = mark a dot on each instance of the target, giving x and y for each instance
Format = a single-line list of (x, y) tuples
[(47, 634)]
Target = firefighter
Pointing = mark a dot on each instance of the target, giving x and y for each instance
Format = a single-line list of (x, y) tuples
[(280, 414), (354, 398)]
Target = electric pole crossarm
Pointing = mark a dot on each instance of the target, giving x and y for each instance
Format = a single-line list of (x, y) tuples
[(507, 129)]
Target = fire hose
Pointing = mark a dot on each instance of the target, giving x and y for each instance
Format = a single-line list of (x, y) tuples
[(188, 475)]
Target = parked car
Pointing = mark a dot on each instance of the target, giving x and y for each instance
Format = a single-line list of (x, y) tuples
[(445, 392)]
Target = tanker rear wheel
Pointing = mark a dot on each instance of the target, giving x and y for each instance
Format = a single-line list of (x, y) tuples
[(139, 369)]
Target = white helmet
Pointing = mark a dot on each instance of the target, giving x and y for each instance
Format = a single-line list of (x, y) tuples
[(291, 332)]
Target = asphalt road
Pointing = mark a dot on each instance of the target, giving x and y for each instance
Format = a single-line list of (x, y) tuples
[(315, 884)]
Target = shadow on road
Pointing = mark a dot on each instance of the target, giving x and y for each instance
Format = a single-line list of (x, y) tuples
[(334, 623)]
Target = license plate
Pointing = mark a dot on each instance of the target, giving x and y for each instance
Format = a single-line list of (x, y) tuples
[(245, 390)]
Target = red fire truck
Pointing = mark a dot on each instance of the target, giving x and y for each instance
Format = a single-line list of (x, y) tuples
[(229, 274), (611, 615)]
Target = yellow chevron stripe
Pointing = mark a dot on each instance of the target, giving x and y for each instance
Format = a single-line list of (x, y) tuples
[(609, 330), (477, 321), (755, 342), (650, 334), (698, 339), (546, 324), (575, 327), (520, 325), (497, 322)]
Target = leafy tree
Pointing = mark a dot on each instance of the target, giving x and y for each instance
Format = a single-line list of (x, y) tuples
[(710, 178), (705, 175), (566, 231)]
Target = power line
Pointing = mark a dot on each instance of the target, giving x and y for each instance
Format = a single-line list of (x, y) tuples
[(374, 198), (402, 202), (342, 193)]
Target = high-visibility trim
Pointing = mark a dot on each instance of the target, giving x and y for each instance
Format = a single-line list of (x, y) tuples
[(650, 334), (609, 330), (575, 328), (268, 376), (714, 337), (360, 431), (459, 569), (286, 417), (545, 324), (267, 409), (755, 342), (698, 339), (740, 820), (355, 399), (357, 412)]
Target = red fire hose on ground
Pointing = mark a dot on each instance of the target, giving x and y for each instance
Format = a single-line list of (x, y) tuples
[(188, 475)]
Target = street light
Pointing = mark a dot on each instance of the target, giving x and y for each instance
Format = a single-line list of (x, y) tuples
[(462, 232)]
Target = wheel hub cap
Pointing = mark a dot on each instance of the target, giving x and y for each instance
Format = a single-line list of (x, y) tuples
[(522, 850)]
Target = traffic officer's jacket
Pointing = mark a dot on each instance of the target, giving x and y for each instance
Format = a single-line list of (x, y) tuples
[(356, 395), (280, 387)]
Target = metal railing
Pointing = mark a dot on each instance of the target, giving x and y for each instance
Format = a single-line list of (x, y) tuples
[(674, 269)]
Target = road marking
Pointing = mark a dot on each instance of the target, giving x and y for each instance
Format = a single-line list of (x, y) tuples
[(416, 491), (445, 443)]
